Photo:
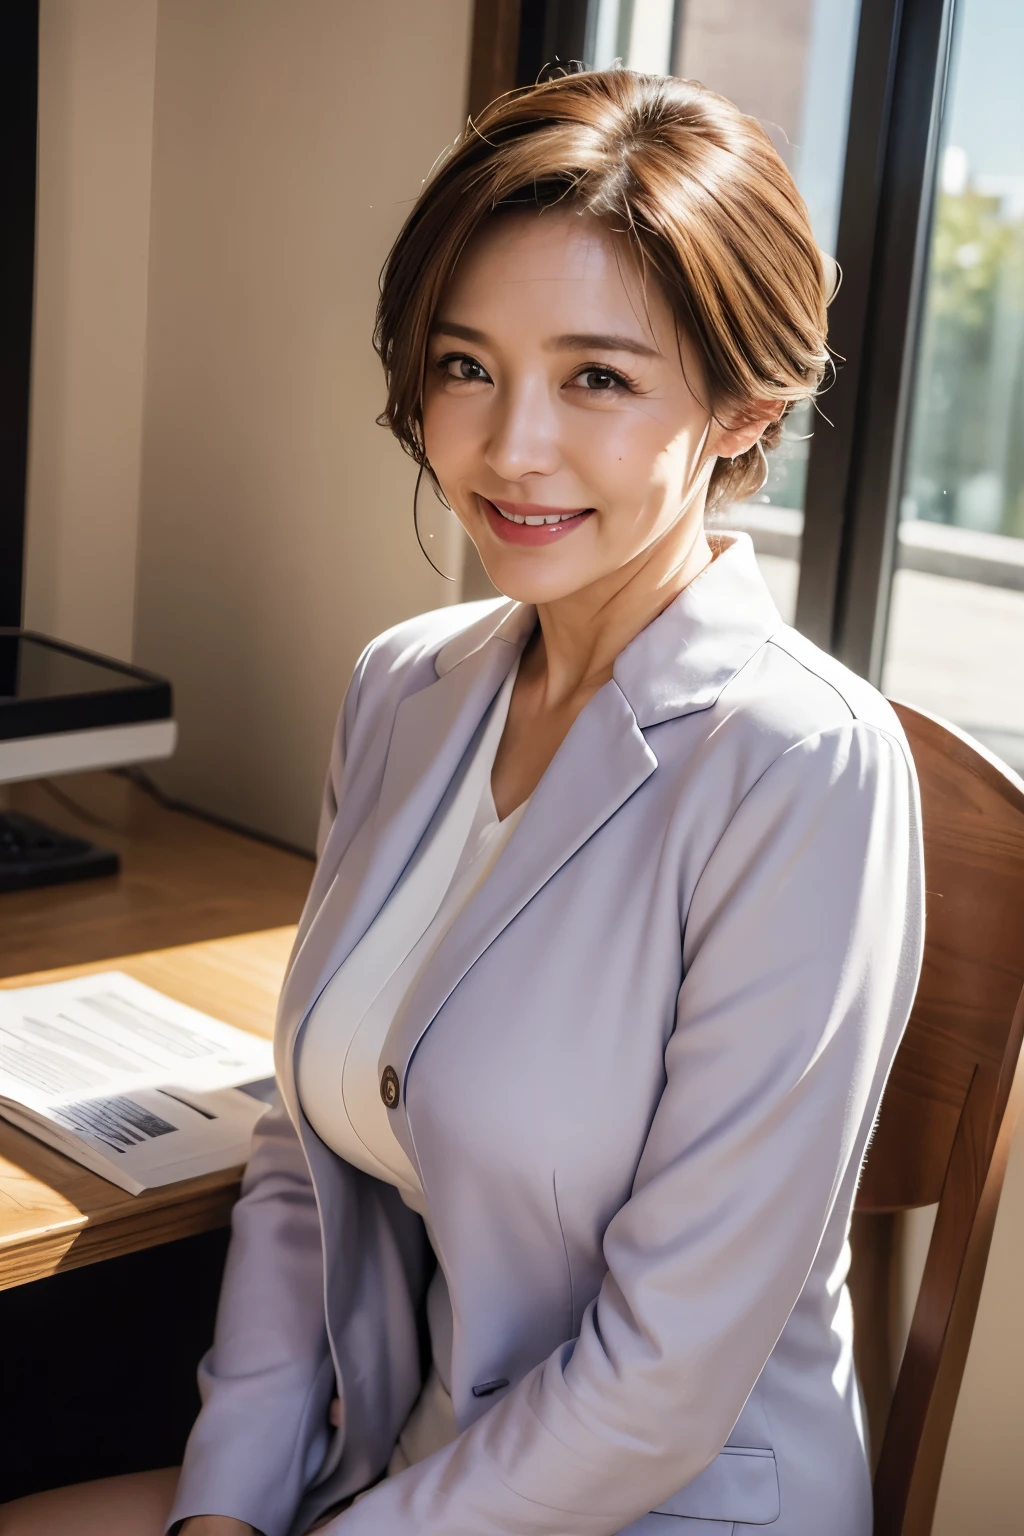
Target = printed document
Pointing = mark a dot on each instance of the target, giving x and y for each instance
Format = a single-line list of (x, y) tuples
[(141, 1089)]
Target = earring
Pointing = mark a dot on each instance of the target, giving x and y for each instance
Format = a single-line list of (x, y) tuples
[(442, 498), (416, 515), (764, 466)]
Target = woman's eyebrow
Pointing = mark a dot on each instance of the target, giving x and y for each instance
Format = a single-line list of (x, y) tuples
[(572, 341), (451, 328), (580, 341)]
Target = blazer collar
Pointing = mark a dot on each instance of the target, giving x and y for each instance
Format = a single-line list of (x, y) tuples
[(504, 619), (684, 658)]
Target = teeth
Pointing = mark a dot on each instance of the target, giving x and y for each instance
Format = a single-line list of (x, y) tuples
[(536, 522)]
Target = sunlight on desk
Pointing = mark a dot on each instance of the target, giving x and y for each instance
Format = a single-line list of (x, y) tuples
[(57, 1215)]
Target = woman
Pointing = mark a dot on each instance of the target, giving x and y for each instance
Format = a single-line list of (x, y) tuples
[(617, 919)]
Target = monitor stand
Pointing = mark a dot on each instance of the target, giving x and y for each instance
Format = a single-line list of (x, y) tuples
[(32, 854)]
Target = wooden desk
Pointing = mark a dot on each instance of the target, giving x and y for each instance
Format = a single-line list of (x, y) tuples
[(182, 879), (56, 1215), (207, 916), (183, 883)]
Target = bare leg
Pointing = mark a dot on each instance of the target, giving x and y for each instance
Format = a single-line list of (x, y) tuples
[(135, 1505)]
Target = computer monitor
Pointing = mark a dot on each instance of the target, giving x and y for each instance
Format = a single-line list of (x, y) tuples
[(62, 709)]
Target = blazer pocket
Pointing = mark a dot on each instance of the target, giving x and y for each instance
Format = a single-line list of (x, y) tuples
[(741, 1484)]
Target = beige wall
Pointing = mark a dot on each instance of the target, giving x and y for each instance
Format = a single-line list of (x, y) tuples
[(276, 518), (92, 252), (218, 187)]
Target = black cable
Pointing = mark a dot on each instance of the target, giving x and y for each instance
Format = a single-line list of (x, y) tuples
[(142, 780), (72, 805)]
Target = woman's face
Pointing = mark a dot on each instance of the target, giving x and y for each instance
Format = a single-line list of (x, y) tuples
[(558, 387)]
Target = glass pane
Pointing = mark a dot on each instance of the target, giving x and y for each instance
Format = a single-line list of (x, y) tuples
[(788, 63), (956, 627)]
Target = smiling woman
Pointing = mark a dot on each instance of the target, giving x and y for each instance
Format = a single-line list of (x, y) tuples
[(593, 325), (539, 432), (693, 194), (617, 918)]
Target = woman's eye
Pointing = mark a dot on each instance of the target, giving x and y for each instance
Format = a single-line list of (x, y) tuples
[(600, 380), (466, 369)]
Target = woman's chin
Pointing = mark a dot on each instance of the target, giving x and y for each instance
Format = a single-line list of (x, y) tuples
[(525, 581)]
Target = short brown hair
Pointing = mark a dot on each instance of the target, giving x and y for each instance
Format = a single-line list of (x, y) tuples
[(702, 195)]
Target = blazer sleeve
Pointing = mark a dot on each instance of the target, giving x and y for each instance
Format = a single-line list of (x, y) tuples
[(267, 1380), (802, 948)]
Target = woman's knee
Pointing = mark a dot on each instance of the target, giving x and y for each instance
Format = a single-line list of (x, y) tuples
[(134, 1505)]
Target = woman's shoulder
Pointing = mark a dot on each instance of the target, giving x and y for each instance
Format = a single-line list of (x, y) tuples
[(408, 656), (793, 690), (796, 752), (425, 634), (824, 687), (790, 703)]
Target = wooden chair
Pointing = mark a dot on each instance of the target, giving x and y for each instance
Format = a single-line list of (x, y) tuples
[(947, 1117)]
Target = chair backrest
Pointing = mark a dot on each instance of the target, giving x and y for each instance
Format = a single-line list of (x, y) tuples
[(944, 1131)]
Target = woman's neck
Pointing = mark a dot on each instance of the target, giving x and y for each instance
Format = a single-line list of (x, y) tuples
[(578, 637)]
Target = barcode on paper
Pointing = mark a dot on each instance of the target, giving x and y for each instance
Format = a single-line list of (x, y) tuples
[(117, 1121)]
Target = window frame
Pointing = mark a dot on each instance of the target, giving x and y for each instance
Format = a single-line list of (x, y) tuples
[(856, 465)]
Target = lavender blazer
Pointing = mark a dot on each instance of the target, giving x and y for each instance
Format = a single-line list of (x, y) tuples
[(637, 1080)]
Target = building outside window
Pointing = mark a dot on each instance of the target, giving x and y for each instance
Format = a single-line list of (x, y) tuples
[(956, 626)]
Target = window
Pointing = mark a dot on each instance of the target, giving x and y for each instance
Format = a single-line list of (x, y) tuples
[(956, 625), (891, 529), (789, 63)]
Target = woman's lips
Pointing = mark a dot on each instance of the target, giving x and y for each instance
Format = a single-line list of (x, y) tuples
[(501, 517)]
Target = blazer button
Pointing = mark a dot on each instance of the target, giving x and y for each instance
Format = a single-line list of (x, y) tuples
[(389, 1087), (487, 1387)]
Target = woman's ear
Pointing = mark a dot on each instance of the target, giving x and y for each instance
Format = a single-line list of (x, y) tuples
[(728, 442)]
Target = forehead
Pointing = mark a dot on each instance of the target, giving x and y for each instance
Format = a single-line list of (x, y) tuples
[(555, 263)]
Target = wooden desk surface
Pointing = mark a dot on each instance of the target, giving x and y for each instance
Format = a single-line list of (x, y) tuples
[(182, 879), (56, 1215)]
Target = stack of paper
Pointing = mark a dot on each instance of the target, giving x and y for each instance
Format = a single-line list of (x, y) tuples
[(139, 1088)]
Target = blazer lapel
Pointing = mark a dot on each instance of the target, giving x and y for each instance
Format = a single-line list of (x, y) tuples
[(678, 664), (602, 761), (432, 729)]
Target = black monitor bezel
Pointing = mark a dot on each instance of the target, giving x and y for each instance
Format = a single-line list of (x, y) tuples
[(150, 700), (19, 71)]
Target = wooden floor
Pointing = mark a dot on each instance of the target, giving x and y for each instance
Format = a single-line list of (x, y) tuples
[(182, 880)]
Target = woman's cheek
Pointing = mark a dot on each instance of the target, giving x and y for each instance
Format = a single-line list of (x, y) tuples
[(438, 437), (618, 472), (454, 436)]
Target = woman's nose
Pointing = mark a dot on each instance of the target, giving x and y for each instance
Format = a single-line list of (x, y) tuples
[(524, 435)]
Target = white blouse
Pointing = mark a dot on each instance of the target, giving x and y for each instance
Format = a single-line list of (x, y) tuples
[(337, 1068)]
